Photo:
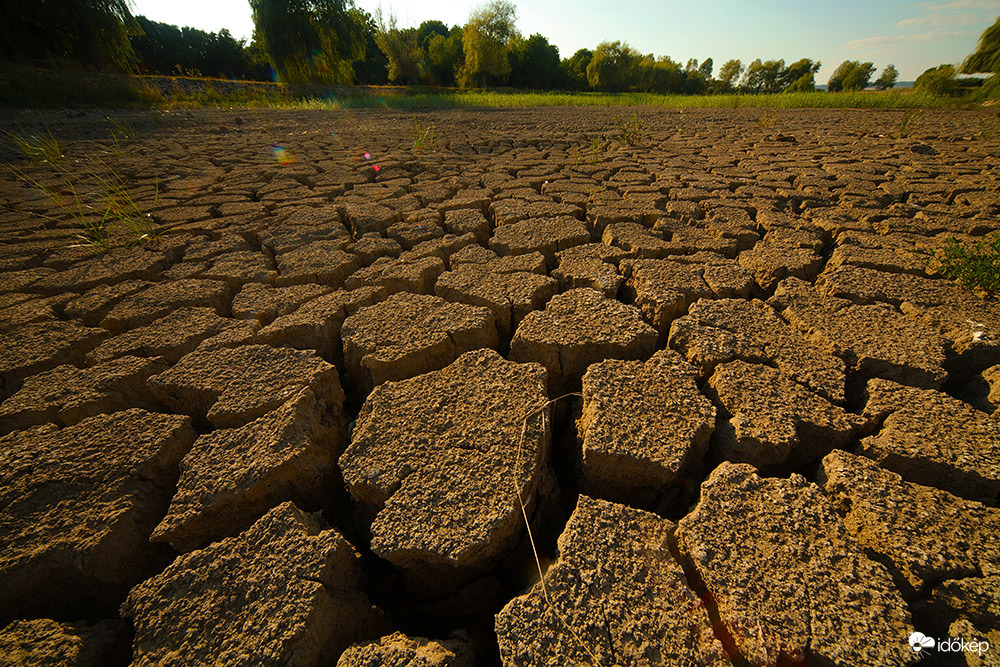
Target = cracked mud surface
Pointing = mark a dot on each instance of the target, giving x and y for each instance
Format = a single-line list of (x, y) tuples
[(746, 425)]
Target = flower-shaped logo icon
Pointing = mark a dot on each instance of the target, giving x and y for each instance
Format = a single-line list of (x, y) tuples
[(919, 641)]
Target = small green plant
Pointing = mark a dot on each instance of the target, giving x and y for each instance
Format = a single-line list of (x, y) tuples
[(423, 136), (35, 146), (766, 121), (97, 201), (629, 130), (905, 127), (595, 149), (976, 264), (122, 133)]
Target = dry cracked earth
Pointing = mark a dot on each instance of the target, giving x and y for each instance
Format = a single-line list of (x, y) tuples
[(307, 423)]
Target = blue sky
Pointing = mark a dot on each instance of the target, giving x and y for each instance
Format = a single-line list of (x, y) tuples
[(912, 35)]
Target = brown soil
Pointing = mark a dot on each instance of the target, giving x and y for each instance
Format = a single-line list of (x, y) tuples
[(290, 381)]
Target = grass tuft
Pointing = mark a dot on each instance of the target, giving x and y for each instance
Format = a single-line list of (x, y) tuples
[(976, 264), (35, 146)]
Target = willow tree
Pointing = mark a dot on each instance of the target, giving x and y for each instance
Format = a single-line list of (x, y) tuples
[(310, 41), (485, 39), (91, 32)]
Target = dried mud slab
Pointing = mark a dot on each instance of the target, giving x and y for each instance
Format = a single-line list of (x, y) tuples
[(410, 274), (230, 387), (545, 235), (794, 586), (715, 332), (317, 323), (151, 304), (399, 650), (43, 642), (874, 340), (933, 439), (617, 597), (171, 336), (294, 599), (645, 427), (577, 328), (770, 262), (66, 394), (510, 295), (438, 461), (80, 504), (232, 476), (264, 303), (27, 349), (114, 266), (771, 421), (320, 262), (410, 334), (954, 538)]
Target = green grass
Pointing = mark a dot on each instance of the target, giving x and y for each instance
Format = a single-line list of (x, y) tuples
[(22, 86), (35, 146), (975, 264)]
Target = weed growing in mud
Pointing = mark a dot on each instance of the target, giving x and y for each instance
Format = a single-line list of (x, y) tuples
[(766, 121), (629, 131), (976, 265), (98, 203), (121, 133), (905, 127), (423, 136), (527, 525), (36, 147)]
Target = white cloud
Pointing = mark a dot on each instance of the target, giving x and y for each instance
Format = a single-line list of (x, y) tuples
[(991, 5), (940, 19), (883, 43)]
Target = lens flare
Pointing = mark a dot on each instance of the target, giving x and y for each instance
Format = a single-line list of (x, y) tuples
[(283, 154)]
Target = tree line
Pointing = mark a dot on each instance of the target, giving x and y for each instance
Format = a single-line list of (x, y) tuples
[(334, 42)]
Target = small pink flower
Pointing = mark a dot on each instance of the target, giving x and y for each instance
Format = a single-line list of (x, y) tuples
[(368, 156)]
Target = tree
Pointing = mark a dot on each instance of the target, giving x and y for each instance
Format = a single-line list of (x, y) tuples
[(800, 74), (730, 72), (987, 55), (91, 32), (763, 77), (850, 75), (534, 63), (445, 56), (310, 41), (938, 80), (887, 79), (575, 69), (427, 31), (374, 68), (705, 69), (403, 53), (613, 67), (485, 37)]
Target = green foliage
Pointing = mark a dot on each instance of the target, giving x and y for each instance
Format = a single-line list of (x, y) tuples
[(34, 146), (976, 264), (799, 77), (402, 51), (986, 57), (906, 123), (428, 30), (575, 69), (91, 32), (706, 68), (534, 63), (939, 81), (310, 41), (763, 77), (445, 56), (485, 37), (887, 79), (612, 66), (373, 69), (167, 49), (730, 73), (850, 75)]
